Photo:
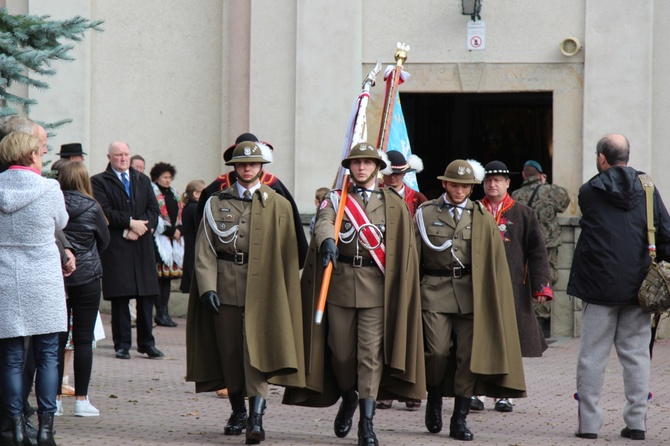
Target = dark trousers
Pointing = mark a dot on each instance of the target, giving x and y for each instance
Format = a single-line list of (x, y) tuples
[(163, 298), (121, 330), (28, 373), (83, 303), (12, 359)]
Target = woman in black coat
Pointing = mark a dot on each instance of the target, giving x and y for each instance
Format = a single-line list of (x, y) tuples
[(167, 238), (189, 222), (88, 234)]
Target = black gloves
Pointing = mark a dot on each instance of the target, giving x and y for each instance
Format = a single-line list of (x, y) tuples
[(211, 301), (329, 252)]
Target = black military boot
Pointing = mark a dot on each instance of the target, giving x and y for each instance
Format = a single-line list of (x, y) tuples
[(238, 419), (458, 428), (366, 436), (18, 428), (433, 418), (255, 432), (345, 414), (161, 318), (45, 433)]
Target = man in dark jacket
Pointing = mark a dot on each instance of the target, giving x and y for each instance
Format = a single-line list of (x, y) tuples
[(129, 265), (609, 265)]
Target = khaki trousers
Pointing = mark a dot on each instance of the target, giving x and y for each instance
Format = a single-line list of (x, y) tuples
[(238, 373), (355, 338), (440, 331)]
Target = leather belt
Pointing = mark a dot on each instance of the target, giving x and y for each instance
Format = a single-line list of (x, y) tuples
[(239, 258), (357, 261), (456, 272)]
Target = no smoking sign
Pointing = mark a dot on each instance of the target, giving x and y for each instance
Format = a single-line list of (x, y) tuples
[(476, 36)]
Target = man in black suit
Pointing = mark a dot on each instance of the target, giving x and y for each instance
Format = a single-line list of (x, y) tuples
[(129, 265)]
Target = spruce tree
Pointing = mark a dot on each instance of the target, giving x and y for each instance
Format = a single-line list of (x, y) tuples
[(28, 45)]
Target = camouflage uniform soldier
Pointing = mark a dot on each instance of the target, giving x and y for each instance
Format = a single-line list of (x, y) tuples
[(547, 200)]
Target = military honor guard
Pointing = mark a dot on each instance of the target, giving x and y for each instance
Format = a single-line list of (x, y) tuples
[(244, 326), (467, 300), (374, 341)]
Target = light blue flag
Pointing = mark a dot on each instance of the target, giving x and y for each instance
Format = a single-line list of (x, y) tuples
[(399, 140)]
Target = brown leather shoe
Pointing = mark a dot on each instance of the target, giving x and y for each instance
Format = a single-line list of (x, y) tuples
[(413, 404), (384, 404), (223, 393)]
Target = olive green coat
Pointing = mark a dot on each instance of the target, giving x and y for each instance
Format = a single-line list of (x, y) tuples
[(496, 353), (404, 367), (273, 314)]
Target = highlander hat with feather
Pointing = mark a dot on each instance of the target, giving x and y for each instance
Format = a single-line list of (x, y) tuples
[(398, 163)]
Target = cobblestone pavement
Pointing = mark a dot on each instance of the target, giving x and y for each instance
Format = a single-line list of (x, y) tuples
[(147, 402)]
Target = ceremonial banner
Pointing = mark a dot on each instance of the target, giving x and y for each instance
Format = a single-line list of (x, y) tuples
[(399, 140)]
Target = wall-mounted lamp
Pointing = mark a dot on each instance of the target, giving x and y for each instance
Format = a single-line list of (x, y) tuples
[(471, 8)]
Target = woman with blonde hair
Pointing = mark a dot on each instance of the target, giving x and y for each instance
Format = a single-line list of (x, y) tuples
[(87, 232), (32, 295)]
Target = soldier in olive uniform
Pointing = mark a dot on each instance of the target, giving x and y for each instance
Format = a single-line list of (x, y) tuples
[(466, 300), (373, 308), (547, 200), (245, 316)]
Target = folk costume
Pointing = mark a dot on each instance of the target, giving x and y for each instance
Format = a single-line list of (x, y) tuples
[(528, 265), (246, 256), (371, 339), (401, 166), (169, 250)]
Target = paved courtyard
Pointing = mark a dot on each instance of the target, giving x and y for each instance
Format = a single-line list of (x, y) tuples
[(147, 402)]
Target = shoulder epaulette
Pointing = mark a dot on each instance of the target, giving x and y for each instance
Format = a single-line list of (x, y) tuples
[(268, 179)]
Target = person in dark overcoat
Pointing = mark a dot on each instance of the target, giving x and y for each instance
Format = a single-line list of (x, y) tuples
[(129, 263), (527, 259)]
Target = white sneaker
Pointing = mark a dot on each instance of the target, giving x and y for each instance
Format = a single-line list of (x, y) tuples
[(59, 408), (83, 408)]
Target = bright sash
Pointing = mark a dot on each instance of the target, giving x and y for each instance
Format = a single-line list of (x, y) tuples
[(370, 237)]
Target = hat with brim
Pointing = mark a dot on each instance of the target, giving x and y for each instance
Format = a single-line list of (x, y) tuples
[(398, 163), (71, 149), (363, 150), (228, 153), (250, 152), (497, 168)]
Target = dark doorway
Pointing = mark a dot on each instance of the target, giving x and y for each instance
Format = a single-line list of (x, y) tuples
[(510, 127)]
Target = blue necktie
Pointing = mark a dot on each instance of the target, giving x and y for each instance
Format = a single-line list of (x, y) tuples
[(126, 183)]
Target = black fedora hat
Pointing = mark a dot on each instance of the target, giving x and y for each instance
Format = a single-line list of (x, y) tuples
[(71, 149)]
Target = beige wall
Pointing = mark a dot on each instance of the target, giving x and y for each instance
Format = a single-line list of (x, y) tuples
[(180, 79)]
